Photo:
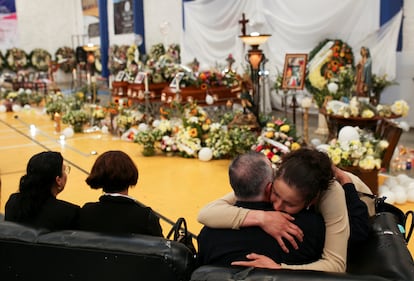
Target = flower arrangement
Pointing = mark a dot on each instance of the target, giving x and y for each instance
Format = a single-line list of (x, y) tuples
[(168, 145), (40, 59), (76, 118), (2, 61), (219, 140), (356, 108), (66, 58), (400, 107), (98, 113), (277, 138), (16, 59), (55, 103), (379, 83), (189, 128), (126, 118), (365, 152), (156, 51), (147, 137), (117, 59), (24, 96), (326, 63)]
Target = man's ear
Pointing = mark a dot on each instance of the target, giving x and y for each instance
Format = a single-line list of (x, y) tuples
[(58, 181)]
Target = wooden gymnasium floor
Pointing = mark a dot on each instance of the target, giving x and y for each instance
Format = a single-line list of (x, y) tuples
[(172, 186)]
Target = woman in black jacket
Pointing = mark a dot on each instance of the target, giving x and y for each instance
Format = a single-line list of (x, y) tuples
[(36, 204), (116, 212)]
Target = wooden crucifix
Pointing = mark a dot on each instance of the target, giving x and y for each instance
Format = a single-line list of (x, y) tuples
[(243, 23)]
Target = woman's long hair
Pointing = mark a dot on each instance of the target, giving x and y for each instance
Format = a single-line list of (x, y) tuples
[(35, 187)]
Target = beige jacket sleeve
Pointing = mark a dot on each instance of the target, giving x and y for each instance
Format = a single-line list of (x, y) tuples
[(333, 209), (222, 213)]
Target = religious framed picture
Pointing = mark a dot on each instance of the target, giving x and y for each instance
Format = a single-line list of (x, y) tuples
[(294, 71), (120, 76), (175, 83), (139, 78)]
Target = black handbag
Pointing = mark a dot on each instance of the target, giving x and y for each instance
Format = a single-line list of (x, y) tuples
[(405, 220), (180, 234)]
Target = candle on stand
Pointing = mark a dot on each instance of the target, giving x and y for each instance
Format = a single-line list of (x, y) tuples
[(88, 78), (146, 82), (74, 74)]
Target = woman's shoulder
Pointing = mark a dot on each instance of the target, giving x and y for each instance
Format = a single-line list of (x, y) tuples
[(13, 199)]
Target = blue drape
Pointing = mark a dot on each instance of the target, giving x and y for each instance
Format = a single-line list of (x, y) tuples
[(103, 30), (388, 9), (139, 26)]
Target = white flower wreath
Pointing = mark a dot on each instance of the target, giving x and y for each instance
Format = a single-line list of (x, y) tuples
[(40, 59), (66, 59), (16, 59), (1, 61)]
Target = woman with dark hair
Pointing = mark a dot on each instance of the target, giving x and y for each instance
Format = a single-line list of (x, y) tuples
[(116, 212), (36, 204)]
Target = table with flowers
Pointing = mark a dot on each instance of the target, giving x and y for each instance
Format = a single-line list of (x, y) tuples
[(360, 114), (336, 122)]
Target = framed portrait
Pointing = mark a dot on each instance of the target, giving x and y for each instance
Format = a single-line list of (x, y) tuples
[(176, 81), (294, 71), (139, 79), (120, 76)]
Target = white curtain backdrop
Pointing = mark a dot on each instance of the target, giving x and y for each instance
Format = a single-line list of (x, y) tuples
[(212, 30)]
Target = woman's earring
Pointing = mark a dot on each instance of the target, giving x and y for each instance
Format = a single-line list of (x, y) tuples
[(307, 208)]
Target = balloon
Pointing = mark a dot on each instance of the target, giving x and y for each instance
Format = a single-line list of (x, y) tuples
[(205, 154), (165, 28), (347, 134), (410, 195), (405, 126), (333, 87), (16, 108), (68, 132), (383, 188), (403, 179), (3, 108), (138, 39), (209, 99), (400, 197)]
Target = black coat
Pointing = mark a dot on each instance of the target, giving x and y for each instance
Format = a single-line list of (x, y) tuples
[(119, 215), (54, 215)]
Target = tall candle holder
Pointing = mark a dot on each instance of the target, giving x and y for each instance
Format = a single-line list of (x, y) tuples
[(255, 57)]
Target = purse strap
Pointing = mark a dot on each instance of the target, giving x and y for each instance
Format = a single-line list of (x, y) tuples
[(178, 229), (409, 213)]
